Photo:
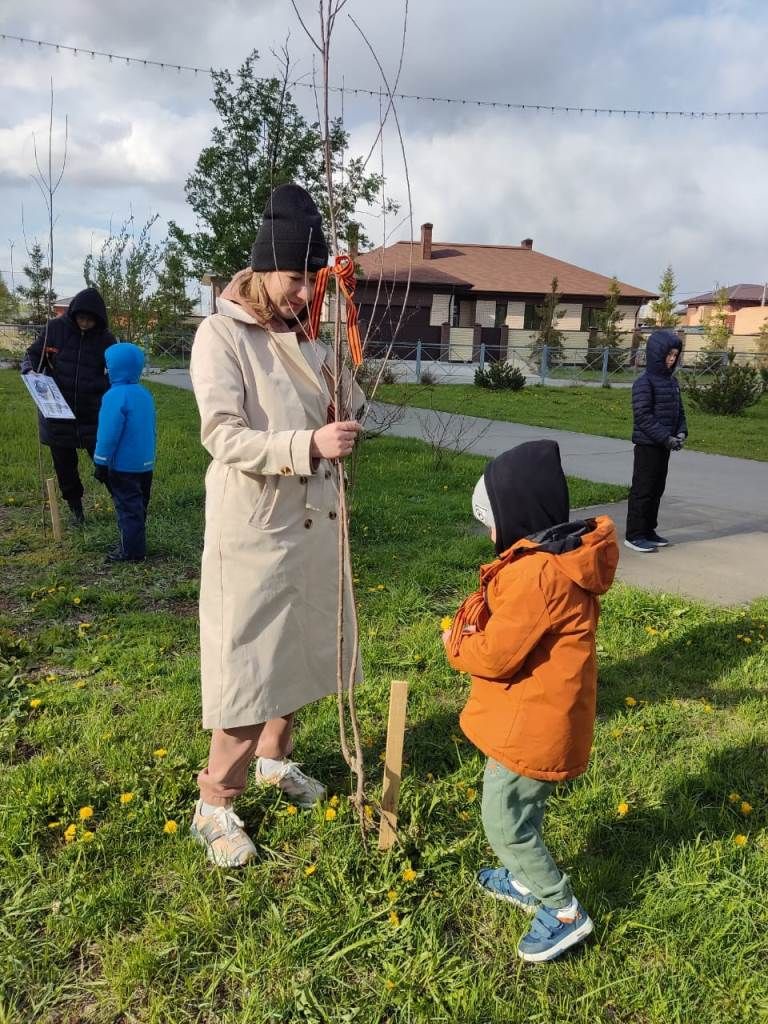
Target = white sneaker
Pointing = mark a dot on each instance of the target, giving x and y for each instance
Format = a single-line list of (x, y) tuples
[(302, 789), (226, 842)]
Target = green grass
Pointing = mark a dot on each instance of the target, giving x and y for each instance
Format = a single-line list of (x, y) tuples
[(133, 926), (603, 411)]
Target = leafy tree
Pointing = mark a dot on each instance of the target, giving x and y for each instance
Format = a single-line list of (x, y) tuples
[(171, 302), (548, 334), (262, 140), (124, 271), (663, 308), (38, 295), (8, 305), (717, 328)]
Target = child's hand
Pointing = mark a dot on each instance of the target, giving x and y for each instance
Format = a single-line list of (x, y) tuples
[(467, 631)]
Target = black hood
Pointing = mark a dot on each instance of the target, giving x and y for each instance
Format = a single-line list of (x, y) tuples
[(89, 300), (527, 491)]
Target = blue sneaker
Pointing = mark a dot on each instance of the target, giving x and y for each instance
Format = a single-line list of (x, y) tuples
[(640, 544), (548, 936), (498, 882), (657, 540)]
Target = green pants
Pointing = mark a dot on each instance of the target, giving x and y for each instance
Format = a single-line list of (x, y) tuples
[(513, 810)]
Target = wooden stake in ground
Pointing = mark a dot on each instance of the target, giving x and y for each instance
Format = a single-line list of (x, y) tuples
[(53, 504), (393, 763)]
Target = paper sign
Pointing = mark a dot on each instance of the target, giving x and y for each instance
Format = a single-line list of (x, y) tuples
[(48, 399)]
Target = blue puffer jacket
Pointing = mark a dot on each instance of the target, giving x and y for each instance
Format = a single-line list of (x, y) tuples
[(125, 440), (657, 407)]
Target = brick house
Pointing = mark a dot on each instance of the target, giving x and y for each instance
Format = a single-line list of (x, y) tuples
[(464, 295), (747, 308)]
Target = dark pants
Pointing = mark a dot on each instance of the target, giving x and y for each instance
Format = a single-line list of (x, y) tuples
[(649, 477), (65, 467), (130, 493)]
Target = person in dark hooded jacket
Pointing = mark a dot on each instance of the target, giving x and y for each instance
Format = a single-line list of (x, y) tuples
[(527, 638), (659, 427), (71, 350)]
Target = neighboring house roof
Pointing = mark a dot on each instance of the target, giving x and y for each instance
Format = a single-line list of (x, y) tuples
[(511, 269), (62, 302), (736, 293)]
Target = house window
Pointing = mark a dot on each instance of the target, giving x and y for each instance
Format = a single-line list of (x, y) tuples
[(531, 318), (589, 317), (501, 314)]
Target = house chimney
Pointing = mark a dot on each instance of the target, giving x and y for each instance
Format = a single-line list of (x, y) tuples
[(353, 239), (527, 243), (426, 241)]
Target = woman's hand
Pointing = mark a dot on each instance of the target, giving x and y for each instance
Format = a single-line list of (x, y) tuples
[(335, 441)]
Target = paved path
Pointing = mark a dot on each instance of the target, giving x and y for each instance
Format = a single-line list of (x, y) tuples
[(715, 510)]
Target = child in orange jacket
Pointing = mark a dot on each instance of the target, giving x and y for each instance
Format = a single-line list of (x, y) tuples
[(527, 638)]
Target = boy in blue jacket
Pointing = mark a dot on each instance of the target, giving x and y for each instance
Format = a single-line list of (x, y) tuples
[(659, 427), (125, 448)]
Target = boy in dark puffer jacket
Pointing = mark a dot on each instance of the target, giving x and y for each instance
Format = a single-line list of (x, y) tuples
[(659, 427)]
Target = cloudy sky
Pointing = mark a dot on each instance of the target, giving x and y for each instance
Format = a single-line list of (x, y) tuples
[(623, 196)]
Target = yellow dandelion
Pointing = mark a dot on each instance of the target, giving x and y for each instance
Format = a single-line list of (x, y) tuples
[(170, 827), (330, 814), (310, 869), (54, 824), (747, 639), (389, 985), (708, 708), (630, 701), (394, 919), (622, 809), (740, 840), (616, 733), (392, 896), (368, 811), (334, 801), (651, 631), (69, 833), (160, 752), (85, 812), (126, 798), (76, 600), (36, 702), (84, 625), (464, 815), (409, 875), (291, 809), (745, 808), (446, 622), (382, 757), (470, 794), (87, 837), (80, 684), (734, 797)]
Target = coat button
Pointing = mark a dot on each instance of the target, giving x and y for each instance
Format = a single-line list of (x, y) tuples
[(302, 479), (286, 470), (331, 515), (307, 524)]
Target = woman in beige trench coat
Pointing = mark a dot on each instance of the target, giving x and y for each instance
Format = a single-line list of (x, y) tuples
[(269, 577)]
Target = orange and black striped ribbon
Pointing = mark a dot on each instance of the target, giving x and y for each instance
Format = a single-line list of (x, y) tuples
[(343, 270)]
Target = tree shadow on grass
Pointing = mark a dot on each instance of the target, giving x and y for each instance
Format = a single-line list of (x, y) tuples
[(694, 808)]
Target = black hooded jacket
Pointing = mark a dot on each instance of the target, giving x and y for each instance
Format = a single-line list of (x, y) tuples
[(657, 407), (528, 493), (75, 360)]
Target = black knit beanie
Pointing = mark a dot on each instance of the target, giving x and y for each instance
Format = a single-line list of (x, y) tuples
[(291, 233)]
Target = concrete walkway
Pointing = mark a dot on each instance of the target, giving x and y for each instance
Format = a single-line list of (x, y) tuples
[(715, 510)]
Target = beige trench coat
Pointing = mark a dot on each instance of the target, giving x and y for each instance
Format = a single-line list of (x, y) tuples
[(268, 587)]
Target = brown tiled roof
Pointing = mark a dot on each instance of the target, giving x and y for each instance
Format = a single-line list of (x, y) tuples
[(510, 269), (736, 293)]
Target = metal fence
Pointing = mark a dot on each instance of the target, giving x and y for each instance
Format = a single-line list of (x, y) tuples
[(430, 362)]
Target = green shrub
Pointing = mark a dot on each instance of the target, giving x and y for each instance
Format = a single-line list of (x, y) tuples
[(500, 377), (728, 392)]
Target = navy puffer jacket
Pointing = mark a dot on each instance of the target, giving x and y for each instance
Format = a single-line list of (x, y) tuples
[(75, 360), (657, 406)]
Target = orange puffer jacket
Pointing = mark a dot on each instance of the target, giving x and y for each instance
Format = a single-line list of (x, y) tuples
[(533, 661)]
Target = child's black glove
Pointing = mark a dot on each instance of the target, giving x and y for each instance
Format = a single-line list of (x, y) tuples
[(101, 473)]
